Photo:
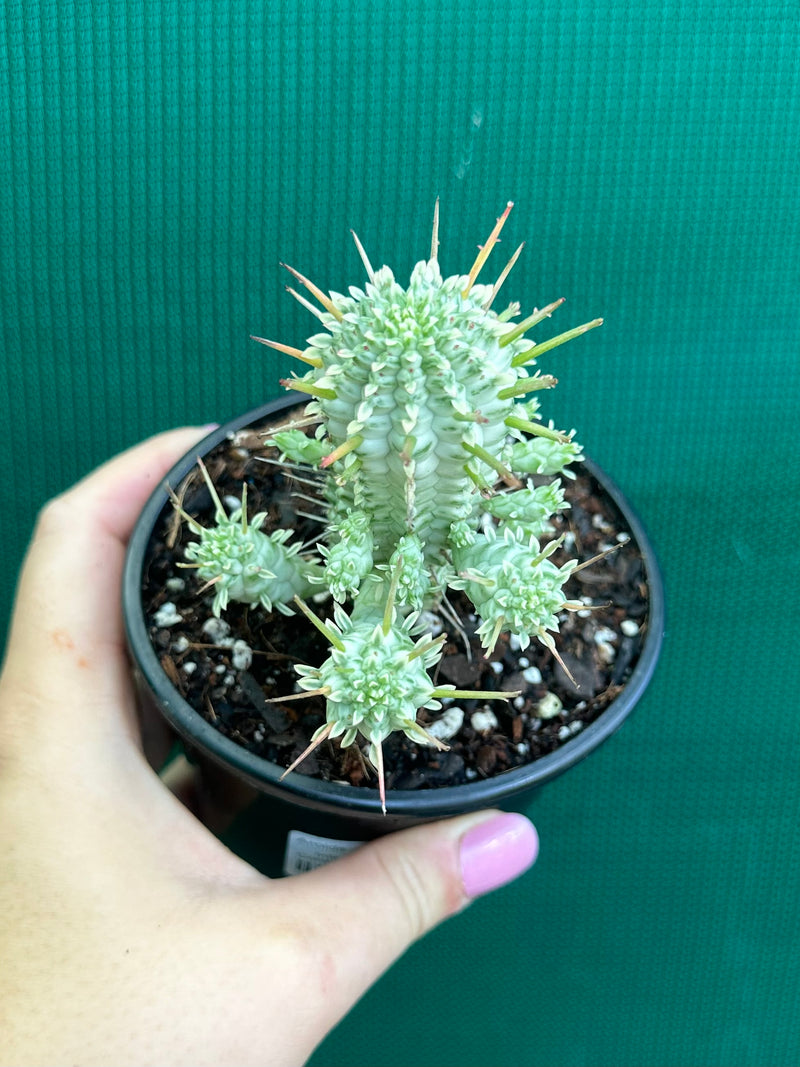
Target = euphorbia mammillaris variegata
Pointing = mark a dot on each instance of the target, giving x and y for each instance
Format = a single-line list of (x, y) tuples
[(427, 424)]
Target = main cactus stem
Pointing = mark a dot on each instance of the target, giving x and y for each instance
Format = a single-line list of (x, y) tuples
[(427, 426)]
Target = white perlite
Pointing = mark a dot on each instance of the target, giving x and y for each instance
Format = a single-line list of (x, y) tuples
[(241, 655), (483, 721), (448, 724), (532, 675), (629, 627), (603, 638), (585, 613), (601, 523), (217, 630), (549, 706), (167, 615), (569, 730)]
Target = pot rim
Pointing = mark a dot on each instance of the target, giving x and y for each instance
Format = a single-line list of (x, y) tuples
[(338, 797)]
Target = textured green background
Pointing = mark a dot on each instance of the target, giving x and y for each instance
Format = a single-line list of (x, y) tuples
[(156, 162)]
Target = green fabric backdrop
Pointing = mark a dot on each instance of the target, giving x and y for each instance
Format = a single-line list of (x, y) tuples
[(157, 160)]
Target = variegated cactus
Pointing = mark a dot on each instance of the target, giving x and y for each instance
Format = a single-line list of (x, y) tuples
[(427, 424)]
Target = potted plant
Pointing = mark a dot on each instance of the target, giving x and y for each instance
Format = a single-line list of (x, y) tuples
[(369, 582)]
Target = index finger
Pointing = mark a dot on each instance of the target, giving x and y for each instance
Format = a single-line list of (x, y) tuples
[(67, 614)]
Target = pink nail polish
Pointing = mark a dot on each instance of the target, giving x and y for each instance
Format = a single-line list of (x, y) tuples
[(497, 851)]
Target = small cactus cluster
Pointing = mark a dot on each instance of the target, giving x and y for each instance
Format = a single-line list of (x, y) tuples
[(425, 405)]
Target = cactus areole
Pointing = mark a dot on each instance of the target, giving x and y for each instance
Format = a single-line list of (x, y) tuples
[(432, 470)]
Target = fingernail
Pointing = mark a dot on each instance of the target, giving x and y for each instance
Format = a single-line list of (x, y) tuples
[(497, 851)]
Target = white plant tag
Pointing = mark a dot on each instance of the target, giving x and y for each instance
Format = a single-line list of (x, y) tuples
[(306, 852)]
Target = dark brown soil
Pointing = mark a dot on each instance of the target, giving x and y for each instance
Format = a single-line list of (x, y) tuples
[(600, 646)]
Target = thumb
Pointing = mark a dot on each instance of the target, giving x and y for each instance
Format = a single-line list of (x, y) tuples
[(388, 893)]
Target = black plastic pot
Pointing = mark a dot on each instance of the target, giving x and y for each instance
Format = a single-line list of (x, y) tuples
[(300, 805)]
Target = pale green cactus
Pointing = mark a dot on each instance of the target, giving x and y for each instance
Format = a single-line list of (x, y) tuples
[(426, 424), (528, 510), (242, 563), (513, 585)]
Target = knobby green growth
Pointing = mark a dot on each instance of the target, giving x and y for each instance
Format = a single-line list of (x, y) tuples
[(427, 426)]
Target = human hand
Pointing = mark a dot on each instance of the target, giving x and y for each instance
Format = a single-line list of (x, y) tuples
[(130, 934)]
